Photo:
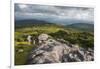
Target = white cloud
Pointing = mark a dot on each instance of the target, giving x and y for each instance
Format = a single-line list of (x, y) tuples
[(22, 6)]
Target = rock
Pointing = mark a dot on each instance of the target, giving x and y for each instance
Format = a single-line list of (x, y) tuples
[(43, 37), (29, 39), (53, 51), (20, 50)]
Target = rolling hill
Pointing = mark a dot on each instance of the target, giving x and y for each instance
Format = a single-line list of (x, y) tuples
[(82, 26), (33, 22), (75, 26)]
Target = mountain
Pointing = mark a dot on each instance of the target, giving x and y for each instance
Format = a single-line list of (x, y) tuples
[(82, 26), (34, 22), (31, 22)]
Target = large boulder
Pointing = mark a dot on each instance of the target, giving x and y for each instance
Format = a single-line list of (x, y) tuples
[(43, 38), (53, 51)]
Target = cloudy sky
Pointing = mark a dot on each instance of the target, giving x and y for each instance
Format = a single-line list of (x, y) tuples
[(55, 14)]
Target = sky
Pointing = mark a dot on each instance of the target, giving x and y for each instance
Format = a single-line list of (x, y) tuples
[(54, 14)]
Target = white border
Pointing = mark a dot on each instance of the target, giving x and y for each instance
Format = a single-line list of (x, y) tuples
[(78, 3), (12, 34)]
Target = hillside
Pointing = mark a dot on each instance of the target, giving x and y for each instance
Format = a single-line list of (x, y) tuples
[(31, 23), (82, 26)]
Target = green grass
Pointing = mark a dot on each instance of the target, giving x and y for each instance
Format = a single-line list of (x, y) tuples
[(21, 57)]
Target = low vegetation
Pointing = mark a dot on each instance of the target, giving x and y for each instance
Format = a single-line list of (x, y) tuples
[(22, 48)]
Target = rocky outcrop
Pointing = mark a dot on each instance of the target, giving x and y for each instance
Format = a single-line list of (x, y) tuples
[(53, 51)]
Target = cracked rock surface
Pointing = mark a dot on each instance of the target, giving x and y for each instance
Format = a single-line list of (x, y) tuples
[(53, 51)]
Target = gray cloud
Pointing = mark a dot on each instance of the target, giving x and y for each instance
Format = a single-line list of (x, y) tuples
[(60, 14)]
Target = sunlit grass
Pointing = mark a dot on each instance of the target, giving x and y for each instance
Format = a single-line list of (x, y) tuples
[(22, 43)]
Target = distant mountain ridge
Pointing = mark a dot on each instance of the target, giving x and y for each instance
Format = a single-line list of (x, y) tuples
[(17, 22), (33, 22), (29, 23), (82, 26)]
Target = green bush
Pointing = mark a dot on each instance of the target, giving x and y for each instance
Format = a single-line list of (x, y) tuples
[(84, 39)]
